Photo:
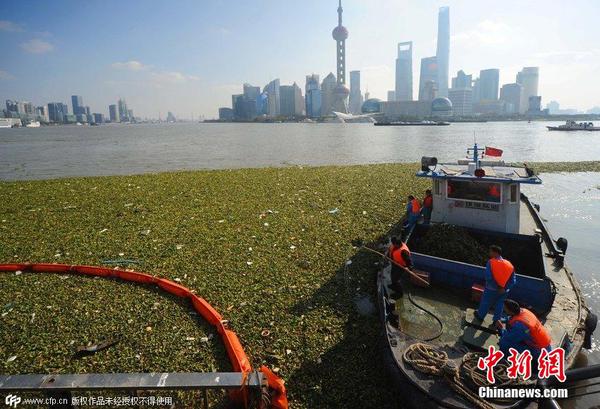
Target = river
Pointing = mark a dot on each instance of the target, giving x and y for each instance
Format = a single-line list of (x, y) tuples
[(61, 151)]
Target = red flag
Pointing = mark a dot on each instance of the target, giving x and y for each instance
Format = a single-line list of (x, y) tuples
[(489, 151)]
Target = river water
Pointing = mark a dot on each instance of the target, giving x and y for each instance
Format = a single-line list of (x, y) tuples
[(51, 152), (569, 201)]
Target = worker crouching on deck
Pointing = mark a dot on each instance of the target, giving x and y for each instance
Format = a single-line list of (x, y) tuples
[(400, 254), (413, 211), (524, 331), (427, 207), (499, 279)]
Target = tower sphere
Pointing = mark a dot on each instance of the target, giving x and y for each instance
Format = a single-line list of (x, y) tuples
[(340, 33)]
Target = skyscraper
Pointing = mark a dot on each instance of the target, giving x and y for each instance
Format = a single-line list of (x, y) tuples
[(123, 112), (391, 95), (113, 113), (529, 78), (272, 89), (341, 92), (489, 80), (510, 94), (292, 102), (429, 73), (443, 50), (356, 98), (252, 93), (77, 103), (462, 80), (57, 111), (328, 86), (404, 75), (313, 96)]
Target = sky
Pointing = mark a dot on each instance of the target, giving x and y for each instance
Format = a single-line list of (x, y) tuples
[(189, 56)]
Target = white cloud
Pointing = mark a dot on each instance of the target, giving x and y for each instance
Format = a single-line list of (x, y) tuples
[(37, 46), (487, 32), (171, 77), (6, 25), (6, 76), (129, 65)]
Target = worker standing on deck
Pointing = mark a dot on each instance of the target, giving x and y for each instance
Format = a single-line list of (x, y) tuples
[(413, 211), (427, 207), (401, 261), (499, 279), (524, 331)]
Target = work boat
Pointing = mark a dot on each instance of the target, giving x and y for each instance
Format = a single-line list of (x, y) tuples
[(432, 341), (575, 126)]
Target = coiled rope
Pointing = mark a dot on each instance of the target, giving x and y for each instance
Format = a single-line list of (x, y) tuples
[(433, 361)]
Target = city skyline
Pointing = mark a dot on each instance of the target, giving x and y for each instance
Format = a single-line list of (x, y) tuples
[(40, 50)]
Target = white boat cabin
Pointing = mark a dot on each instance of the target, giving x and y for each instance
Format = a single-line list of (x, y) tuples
[(477, 193)]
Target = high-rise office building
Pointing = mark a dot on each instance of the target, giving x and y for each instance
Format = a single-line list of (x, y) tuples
[(443, 50), (529, 78), (535, 104), (292, 103), (462, 80), (462, 101), (356, 98), (98, 118), (42, 113), (510, 94), (341, 92), (123, 111), (272, 91), (57, 111), (489, 81), (252, 93), (113, 113), (404, 75), (77, 104), (313, 96), (328, 87), (429, 73)]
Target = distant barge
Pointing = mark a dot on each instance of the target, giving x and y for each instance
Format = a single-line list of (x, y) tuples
[(575, 126), (419, 123)]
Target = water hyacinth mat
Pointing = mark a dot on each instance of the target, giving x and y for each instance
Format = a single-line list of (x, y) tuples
[(268, 248)]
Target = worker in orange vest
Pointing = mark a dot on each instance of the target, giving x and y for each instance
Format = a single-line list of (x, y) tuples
[(493, 193), (427, 207), (524, 331), (413, 211), (500, 277), (401, 262)]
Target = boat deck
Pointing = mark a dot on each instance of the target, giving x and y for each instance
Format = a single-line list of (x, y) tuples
[(450, 305)]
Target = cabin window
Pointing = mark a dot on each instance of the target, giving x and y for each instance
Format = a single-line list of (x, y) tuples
[(474, 191), (514, 197), (436, 187)]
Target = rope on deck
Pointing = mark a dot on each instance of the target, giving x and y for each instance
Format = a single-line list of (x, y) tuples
[(430, 360)]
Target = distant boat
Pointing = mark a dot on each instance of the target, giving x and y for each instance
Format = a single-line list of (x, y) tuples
[(575, 126), (419, 123), (5, 123), (33, 124)]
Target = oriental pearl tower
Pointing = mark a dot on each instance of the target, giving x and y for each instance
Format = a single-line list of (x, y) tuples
[(341, 92)]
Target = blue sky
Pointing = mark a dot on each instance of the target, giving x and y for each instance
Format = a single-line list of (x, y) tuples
[(190, 56)]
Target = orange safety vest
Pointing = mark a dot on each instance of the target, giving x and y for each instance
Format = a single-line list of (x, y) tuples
[(501, 270), (494, 192), (416, 206), (397, 254), (539, 335), (428, 201)]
